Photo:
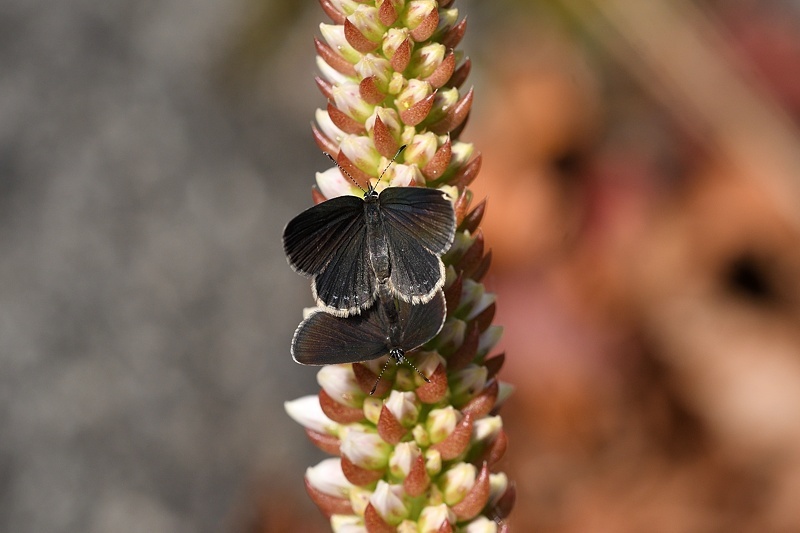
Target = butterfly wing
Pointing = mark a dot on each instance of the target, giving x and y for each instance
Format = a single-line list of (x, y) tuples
[(420, 323), (324, 339), (347, 284), (420, 226), (311, 238), (422, 214)]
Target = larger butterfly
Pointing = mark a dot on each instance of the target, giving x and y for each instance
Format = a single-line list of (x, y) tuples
[(350, 245), (393, 327)]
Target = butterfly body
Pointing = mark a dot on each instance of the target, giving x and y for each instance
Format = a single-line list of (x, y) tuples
[(376, 238)]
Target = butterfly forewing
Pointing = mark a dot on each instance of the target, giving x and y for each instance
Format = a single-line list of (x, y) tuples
[(312, 238), (423, 215), (323, 339), (347, 284)]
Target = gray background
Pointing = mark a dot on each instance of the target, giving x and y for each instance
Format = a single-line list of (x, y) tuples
[(146, 308)]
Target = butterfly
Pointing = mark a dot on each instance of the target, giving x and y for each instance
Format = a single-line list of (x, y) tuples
[(350, 245), (392, 327)]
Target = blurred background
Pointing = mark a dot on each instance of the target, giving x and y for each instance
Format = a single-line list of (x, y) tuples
[(642, 169)]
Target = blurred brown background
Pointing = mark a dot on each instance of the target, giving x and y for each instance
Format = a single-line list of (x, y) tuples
[(642, 164)]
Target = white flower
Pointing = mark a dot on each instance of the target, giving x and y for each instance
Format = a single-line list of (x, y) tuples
[(442, 422), (432, 517), (333, 184), (405, 453), (327, 477), (339, 382), (307, 412), (486, 429), (327, 126), (364, 448), (403, 405), (481, 525), (347, 524), (388, 501), (457, 482)]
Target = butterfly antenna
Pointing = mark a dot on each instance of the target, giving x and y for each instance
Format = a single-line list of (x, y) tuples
[(346, 173), (379, 377), (399, 356), (399, 151)]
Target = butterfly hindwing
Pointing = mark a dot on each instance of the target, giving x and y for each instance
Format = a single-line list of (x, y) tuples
[(420, 226), (420, 323), (416, 273), (312, 238), (324, 339)]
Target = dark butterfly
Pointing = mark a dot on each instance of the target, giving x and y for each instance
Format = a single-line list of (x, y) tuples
[(394, 327), (350, 245)]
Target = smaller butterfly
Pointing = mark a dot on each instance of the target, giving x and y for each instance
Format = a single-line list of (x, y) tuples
[(392, 327)]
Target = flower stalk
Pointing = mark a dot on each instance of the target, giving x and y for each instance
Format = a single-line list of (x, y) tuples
[(415, 456)]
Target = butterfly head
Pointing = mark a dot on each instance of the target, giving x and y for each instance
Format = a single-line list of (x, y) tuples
[(397, 354)]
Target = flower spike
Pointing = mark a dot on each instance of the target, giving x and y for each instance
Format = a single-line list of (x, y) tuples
[(414, 445)]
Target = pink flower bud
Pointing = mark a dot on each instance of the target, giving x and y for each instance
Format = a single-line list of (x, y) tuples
[(389, 118), (366, 19), (419, 10), (330, 74), (466, 383), (362, 153), (421, 149), (402, 459), (393, 40), (426, 59), (334, 36), (415, 91), (348, 99), (328, 127), (372, 65)]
